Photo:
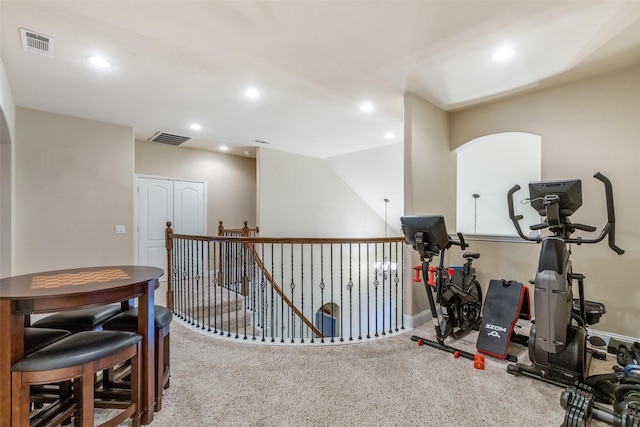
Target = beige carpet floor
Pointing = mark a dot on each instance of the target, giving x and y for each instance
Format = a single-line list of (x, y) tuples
[(385, 382)]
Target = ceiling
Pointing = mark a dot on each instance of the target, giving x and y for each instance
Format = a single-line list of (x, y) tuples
[(175, 63)]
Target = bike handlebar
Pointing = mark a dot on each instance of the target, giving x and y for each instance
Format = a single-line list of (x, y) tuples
[(463, 245)]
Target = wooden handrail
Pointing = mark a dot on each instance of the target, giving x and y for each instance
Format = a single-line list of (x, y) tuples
[(244, 231), (295, 240)]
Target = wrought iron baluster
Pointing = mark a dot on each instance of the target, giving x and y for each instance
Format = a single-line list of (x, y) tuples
[(208, 276), (396, 280), (302, 291), (244, 285), (217, 254), (384, 280), (359, 291), (312, 313), (273, 302), (350, 289), (368, 290), (341, 299), (254, 291), (263, 295), (292, 286), (331, 303), (199, 276), (282, 314), (375, 285)]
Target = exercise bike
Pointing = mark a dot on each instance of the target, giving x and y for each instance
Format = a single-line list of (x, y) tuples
[(558, 339), (457, 290)]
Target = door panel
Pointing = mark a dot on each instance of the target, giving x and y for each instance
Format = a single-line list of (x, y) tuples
[(189, 207), (159, 200), (154, 201)]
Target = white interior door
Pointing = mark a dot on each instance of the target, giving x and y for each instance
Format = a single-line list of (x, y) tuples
[(159, 200), (188, 207)]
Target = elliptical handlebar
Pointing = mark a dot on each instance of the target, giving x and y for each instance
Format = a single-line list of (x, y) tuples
[(607, 230), (610, 227), (515, 219)]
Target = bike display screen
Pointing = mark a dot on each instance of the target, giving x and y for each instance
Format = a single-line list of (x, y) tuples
[(433, 229)]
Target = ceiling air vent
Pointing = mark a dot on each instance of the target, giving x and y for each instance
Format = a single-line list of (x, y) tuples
[(169, 139), (36, 43)]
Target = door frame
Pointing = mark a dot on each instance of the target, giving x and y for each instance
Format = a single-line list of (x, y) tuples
[(136, 209)]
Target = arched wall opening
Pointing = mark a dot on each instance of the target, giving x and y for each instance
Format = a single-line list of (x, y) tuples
[(487, 167)]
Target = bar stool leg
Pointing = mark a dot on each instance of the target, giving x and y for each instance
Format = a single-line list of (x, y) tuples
[(86, 397), (21, 401), (159, 368)]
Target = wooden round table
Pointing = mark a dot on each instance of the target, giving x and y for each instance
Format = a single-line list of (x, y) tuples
[(59, 290)]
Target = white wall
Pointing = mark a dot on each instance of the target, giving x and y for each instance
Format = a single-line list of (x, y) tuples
[(303, 197), (7, 142), (73, 184), (488, 167), (376, 174)]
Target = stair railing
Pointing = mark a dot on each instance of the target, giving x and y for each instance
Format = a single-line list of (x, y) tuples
[(336, 289)]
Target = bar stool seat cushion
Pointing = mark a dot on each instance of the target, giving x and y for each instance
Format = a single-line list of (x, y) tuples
[(84, 319), (128, 320), (37, 338), (77, 349)]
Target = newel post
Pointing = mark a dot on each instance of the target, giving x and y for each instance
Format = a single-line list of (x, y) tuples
[(168, 243)]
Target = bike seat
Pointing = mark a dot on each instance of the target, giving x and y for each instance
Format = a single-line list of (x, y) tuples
[(474, 255)]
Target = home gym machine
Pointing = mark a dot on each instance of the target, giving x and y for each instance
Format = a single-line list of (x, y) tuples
[(558, 338), (456, 289)]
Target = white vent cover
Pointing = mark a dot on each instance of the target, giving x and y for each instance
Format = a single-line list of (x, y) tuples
[(36, 43), (168, 138)]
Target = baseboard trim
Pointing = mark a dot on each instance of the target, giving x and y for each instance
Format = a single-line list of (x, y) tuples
[(413, 321), (608, 336)]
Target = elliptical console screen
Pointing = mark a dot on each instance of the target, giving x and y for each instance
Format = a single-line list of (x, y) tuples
[(569, 192)]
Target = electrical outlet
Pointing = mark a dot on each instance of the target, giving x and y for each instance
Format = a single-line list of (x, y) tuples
[(119, 229)]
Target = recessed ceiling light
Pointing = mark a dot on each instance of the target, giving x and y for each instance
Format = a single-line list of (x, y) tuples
[(366, 107), (195, 126), (252, 93), (224, 148), (389, 135), (99, 61), (503, 53)]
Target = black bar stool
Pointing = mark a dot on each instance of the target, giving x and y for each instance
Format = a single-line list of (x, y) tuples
[(84, 319), (37, 338), (128, 321), (76, 358)]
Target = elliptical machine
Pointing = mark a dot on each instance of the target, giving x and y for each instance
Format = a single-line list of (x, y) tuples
[(558, 339)]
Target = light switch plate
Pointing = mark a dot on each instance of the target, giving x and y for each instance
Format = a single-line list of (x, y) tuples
[(119, 229)]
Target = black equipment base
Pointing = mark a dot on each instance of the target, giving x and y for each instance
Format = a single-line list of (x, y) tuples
[(562, 369), (441, 346)]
